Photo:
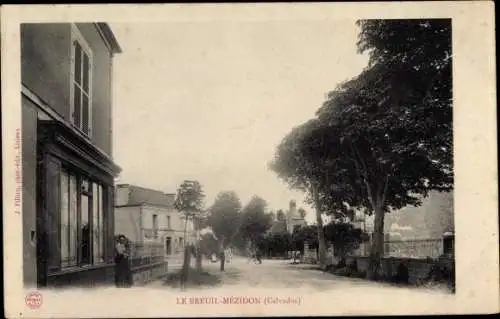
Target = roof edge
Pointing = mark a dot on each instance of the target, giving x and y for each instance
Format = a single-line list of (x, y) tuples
[(128, 185), (109, 36)]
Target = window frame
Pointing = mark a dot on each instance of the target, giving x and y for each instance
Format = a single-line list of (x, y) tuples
[(90, 207), (76, 36), (79, 177), (155, 225)]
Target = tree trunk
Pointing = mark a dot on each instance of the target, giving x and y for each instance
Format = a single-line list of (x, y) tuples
[(321, 232), (377, 246), (199, 257), (198, 260), (186, 261)]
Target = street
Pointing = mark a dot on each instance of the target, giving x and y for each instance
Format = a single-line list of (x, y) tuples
[(282, 275)]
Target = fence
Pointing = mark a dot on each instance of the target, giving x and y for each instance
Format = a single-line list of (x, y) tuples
[(419, 248), (415, 248), (146, 254)]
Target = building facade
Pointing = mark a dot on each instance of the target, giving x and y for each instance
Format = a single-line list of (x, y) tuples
[(294, 218), (148, 216), (67, 165), (288, 221)]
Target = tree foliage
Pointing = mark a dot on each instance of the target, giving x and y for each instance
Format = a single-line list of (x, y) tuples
[(275, 244), (344, 237), (303, 234), (254, 220), (190, 196), (394, 121), (224, 215)]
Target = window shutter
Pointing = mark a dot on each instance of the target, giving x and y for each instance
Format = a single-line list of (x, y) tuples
[(52, 206), (85, 114)]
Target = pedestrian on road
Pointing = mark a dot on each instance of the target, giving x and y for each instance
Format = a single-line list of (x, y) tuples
[(222, 253), (258, 255)]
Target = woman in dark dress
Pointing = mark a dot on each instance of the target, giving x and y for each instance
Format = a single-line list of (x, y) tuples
[(123, 272)]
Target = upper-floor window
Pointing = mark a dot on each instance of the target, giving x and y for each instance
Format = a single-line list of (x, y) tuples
[(169, 225), (155, 226), (81, 83)]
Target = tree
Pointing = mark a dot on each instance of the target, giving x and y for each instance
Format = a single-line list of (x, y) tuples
[(384, 139), (189, 202), (254, 221), (393, 123), (275, 244), (344, 237), (280, 215), (303, 234), (224, 215), (302, 160)]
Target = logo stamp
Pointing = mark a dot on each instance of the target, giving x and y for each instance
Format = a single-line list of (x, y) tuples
[(34, 300)]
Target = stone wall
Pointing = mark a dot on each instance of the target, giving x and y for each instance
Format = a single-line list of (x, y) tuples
[(418, 269)]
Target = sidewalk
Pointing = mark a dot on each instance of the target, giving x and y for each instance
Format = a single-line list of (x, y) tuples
[(174, 262)]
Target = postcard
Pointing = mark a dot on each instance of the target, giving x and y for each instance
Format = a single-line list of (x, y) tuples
[(279, 159)]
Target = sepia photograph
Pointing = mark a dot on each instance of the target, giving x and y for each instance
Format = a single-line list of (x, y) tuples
[(205, 159)]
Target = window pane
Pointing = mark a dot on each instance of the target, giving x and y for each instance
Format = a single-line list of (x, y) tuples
[(73, 228), (77, 104), (101, 224), (86, 72), (155, 226), (85, 114), (64, 220), (98, 223), (50, 237), (85, 231), (95, 222), (78, 63), (86, 186)]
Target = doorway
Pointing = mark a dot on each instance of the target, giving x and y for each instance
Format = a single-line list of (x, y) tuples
[(168, 246)]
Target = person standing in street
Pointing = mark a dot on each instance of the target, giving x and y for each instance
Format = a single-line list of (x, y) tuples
[(123, 272), (258, 254), (222, 253)]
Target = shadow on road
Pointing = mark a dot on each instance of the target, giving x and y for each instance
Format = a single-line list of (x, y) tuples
[(208, 279), (194, 279), (303, 266)]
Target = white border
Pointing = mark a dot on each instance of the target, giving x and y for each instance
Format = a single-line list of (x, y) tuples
[(476, 198)]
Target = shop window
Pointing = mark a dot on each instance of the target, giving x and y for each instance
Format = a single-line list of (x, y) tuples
[(82, 208)]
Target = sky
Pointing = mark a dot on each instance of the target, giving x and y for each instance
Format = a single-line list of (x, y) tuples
[(210, 101)]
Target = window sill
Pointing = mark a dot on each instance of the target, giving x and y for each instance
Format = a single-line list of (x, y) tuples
[(71, 270), (87, 136)]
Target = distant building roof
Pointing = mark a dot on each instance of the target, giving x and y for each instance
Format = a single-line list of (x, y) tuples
[(140, 195)]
